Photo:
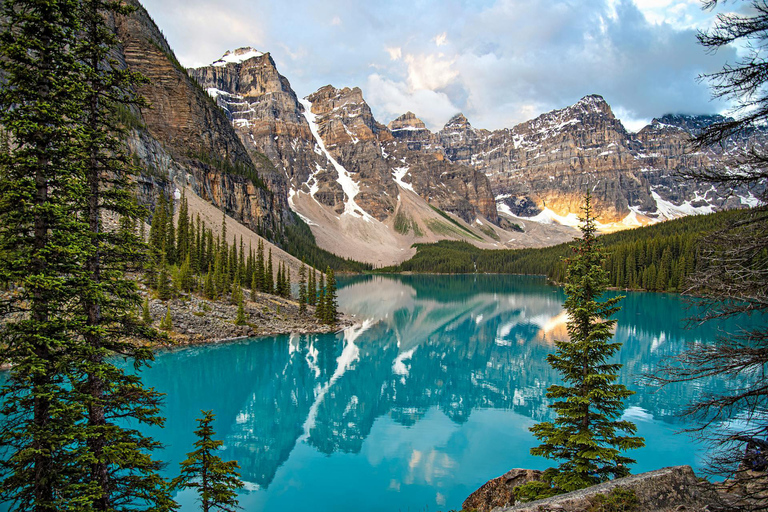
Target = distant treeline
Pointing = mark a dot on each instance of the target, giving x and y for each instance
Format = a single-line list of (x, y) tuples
[(654, 258)]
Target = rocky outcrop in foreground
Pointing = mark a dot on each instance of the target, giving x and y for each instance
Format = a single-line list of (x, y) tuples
[(664, 490)]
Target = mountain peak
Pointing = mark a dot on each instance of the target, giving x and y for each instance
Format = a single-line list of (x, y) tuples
[(458, 121), (691, 123), (594, 103), (238, 56), (407, 121)]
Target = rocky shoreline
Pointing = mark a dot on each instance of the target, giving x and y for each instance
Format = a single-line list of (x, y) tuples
[(671, 489), (196, 320)]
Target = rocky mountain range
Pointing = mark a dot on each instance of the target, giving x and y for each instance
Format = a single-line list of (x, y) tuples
[(235, 134), (346, 169)]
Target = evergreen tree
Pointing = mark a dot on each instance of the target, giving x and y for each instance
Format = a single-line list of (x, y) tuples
[(170, 234), (260, 267), (157, 235), (164, 291), (183, 232), (216, 481), (330, 313), (145, 316), (320, 309), (287, 282), (39, 99), (120, 470), (303, 289), (587, 435), (269, 284), (166, 323), (209, 287), (240, 319), (312, 287)]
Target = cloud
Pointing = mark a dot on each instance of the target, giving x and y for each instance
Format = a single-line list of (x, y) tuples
[(394, 53), (396, 98), (505, 62), (336, 21), (430, 71)]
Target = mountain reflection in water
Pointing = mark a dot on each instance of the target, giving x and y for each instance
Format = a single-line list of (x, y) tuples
[(428, 396)]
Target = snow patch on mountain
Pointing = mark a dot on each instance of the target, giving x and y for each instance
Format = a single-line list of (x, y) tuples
[(398, 173), (238, 56), (670, 210), (350, 188)]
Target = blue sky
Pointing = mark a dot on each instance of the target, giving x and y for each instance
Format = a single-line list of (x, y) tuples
[(500, 62)]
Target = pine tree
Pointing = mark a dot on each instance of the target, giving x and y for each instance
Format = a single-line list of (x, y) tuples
[(170, 234), (216, 481), (183, 235), (312, 287), (330, 313), (320, 309), (587, 435), (303, 289), (287, 282), (240, 319), (100, 464), (260, 267), (39, 182), (145, 316), (269, 284), (209, 287), (164, 291), (166, 323)]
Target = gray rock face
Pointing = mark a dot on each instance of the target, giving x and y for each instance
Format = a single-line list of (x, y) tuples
[(664, 490), (498, 492), (550, 161), (182, 138), (270, 118)]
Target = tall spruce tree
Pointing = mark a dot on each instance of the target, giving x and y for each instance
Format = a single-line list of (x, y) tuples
[(215, 480), (320, 308), (121, 471), (587, 435), (303, 288), (85, 460), (330, 309), (39, 226)]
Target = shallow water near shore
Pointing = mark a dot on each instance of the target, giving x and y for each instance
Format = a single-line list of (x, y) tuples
[(429, 396)]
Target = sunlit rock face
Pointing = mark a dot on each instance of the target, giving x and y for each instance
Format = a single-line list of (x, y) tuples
[(542, 168), (344, 170)]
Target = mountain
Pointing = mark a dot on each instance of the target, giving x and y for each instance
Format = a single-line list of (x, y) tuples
[(540, 169), (182, 139), (364, 193), (237, 135)]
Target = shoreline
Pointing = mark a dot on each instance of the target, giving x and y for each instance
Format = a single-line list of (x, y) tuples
[(199, 321)]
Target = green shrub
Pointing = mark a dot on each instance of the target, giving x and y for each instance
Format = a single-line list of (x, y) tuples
[(619, 499)]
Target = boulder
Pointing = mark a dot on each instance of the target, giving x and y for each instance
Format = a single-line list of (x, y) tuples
[(498, 492), (664, 490)]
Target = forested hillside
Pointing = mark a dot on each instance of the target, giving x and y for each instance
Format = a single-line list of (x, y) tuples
[(655, 258)]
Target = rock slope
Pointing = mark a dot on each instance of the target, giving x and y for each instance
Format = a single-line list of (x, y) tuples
[(363, 191), (542, 167), (181, 138)]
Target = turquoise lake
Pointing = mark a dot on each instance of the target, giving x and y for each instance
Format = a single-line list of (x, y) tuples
[(427, 398), (430, 395)]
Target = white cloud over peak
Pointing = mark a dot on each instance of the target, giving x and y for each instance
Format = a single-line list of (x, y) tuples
[(504, 62), (430, 71), (395, 98)]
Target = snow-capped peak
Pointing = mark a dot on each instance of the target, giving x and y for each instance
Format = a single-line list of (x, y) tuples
[(238, 56)]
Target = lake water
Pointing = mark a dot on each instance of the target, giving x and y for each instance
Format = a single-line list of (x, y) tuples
[(427, 398), (431, 395)]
